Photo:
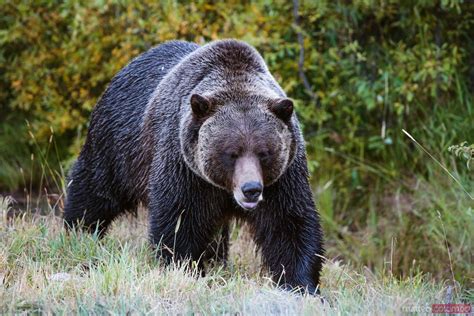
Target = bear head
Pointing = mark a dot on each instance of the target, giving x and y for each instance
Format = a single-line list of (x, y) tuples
[(240, 143)]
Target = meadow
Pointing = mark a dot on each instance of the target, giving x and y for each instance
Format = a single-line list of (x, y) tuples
[(45, 270)]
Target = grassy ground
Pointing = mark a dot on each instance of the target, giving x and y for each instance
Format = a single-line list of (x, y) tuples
[(42, 269)]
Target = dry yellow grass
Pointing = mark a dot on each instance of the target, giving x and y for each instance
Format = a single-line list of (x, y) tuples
[(44, 269)]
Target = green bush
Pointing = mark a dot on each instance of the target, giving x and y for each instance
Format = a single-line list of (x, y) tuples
[(373, 68)]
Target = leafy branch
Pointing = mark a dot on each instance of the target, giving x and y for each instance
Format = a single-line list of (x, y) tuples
[(301, 73), (464, 151)]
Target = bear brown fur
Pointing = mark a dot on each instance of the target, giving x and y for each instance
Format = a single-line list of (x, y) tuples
[(201, 135)]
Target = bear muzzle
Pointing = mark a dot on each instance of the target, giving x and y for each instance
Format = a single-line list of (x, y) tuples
[(248, 182), (247, 198)]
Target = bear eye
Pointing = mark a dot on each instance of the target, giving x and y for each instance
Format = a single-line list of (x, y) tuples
[(232, 155), (263, 154)]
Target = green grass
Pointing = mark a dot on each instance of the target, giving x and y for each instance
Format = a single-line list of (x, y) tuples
[(417, 225), (43, 269)]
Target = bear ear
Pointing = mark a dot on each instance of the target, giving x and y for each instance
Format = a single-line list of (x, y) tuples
[(282, 108), (201, 106)]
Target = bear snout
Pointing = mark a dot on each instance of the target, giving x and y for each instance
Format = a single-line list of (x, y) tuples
[(248, 182), (252, 194), (252, 190)]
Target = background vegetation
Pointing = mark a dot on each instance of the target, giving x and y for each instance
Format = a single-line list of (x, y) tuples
[(369, 69)]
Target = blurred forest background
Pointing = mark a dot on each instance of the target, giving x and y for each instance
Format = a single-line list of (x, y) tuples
[(359, 71)]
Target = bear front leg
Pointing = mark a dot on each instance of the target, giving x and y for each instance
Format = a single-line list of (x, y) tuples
[(291, 249), (180, 237), (218, 249), (177, 236), (286, 228), (183, 215)]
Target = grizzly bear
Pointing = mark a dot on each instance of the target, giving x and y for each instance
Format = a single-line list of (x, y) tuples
[(201, 135)]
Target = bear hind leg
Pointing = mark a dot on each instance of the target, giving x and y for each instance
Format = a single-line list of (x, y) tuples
[(93, 214), (84, 208)]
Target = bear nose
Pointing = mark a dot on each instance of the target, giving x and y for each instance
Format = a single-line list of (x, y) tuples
[(252, 190)]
